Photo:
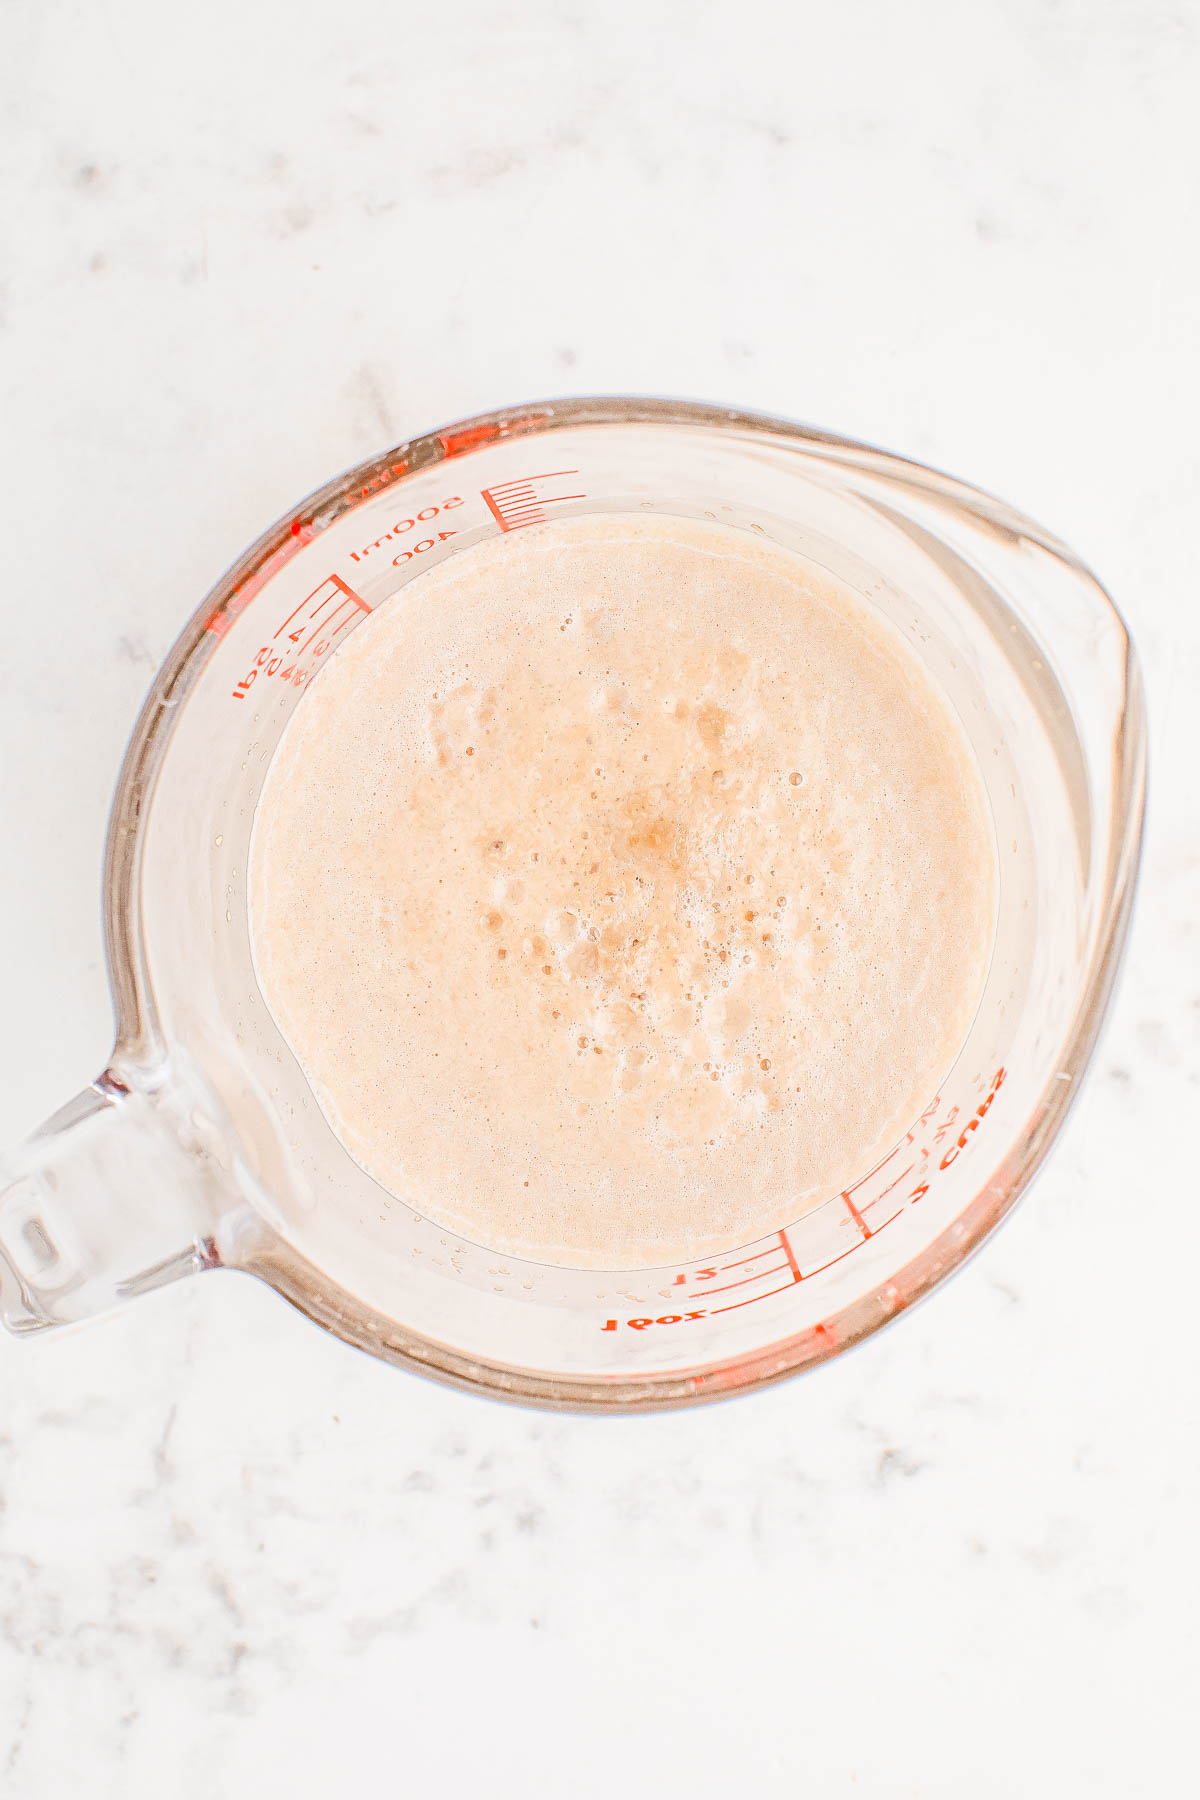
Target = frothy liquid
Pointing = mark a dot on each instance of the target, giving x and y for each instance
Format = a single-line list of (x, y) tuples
[(624, 888)]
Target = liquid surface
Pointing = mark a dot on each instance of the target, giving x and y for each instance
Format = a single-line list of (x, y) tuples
[(624, 888)]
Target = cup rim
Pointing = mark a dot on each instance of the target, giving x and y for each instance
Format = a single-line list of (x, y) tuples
[(140, 1038)]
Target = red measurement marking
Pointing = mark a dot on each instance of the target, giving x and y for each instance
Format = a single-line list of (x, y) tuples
[(744, 1261), (857, 1216), (457, 443), (695, 1283), (930, 1111), (403, 527), (383, 478), (644, 1324), (761, 1276), (770, 1294), (856, 1212), (798, 1274), (223, 618), (821, 1267), (894, 1184), (516, 503), (306, 635), (314, 610), (778, 1243)]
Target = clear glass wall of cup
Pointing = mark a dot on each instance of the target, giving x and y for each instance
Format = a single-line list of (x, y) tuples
[(201, 1146)]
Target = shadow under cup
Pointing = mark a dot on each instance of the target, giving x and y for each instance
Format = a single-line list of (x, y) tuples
[(1016, 633)]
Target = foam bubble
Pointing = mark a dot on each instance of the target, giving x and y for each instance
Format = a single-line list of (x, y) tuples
[(711, 997)]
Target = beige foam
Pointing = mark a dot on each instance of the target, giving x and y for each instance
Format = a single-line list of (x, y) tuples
[(625, 888)]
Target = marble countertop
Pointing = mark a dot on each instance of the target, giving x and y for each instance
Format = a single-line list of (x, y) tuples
[(246, 245)]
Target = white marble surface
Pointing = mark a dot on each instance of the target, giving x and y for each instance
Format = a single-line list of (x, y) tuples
[(246, 244)]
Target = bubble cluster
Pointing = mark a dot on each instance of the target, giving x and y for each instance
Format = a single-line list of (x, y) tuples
[(621, 887)]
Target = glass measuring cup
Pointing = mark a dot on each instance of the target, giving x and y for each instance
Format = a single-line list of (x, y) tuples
[(201, 1145)]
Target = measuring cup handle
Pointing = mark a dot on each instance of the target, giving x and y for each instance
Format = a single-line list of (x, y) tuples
[(117, 1194)]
